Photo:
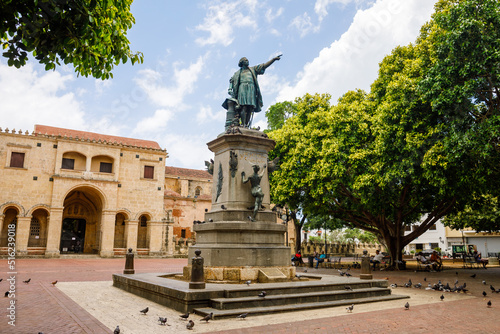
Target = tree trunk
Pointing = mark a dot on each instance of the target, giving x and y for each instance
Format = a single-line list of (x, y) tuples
[(395, 248)]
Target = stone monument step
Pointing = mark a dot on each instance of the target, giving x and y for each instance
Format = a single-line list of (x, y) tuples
[(304, 286), (292, 307), (297, 298)]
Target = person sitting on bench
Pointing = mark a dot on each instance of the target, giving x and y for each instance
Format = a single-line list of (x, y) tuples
[(479, 259), (436, 261), (377, 258)]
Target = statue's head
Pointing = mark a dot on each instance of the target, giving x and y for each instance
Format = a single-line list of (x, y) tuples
[(256, 168), (243, 62)]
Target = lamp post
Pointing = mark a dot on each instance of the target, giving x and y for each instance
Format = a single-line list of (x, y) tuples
[(284, 217)]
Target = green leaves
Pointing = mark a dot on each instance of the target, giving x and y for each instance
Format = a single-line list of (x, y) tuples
[(89, 34)]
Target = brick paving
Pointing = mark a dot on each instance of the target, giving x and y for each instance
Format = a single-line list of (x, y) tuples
[(40, 307)]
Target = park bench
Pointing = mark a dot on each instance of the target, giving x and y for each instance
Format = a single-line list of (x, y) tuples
[(470, 262), (423, 266)]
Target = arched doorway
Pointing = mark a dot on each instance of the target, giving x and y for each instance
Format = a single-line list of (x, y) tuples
[(120, 238), (81, 225), (10, 219), (142, 233), (38, 229)]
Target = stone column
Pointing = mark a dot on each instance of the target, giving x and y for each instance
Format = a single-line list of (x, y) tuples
[(170, 241), (54, 232), (2, 217), (107, 233), (22, 235), (155, 237), (366, 272), (131, 227)]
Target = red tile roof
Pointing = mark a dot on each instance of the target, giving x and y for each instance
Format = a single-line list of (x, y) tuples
[(53, 131), (187, 173), (171, 193)]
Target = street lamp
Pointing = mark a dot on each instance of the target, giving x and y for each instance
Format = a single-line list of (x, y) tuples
[(284, 217)]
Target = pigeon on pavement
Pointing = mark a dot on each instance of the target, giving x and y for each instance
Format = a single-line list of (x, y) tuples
[(117, 330), (145, 310), (350, 308), (184, 316), (190, 324), (242, 316), (27, 281), (488, 303), (262, 294), (207, 317), (407, 306), (162, 320)]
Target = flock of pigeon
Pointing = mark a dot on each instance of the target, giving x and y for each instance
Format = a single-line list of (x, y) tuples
[(439, 286)]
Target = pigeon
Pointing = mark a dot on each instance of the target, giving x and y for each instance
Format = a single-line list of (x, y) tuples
[(407, 306), (425, 279), (7, 294), (207, 317), (248, 282), (1, 279), (484, 282), (210, 220), (492, 288), (242, 316), (350, 308), (184, 316), (190, 324), (223, 207), (145, 310), (298, 276), (473, 275), (163, 321), (54, 283), (442, 297), (262, 294), (394, 285), (418, 285), (348, 275), (489, 303), (456, 281), (348, 288), (117, 330), (27, 281), (305, 270), (484, 293)]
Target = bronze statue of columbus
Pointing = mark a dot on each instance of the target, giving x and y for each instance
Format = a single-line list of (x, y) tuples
[(244, 90)]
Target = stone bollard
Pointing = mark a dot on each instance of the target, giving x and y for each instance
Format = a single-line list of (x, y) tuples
[(366, 272), (197, 275), (129, 262)]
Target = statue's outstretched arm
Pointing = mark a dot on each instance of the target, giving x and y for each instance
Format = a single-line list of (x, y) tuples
[(267, 64)]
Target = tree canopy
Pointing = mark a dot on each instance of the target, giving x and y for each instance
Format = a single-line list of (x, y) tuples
[(89, 34), (418, 146)]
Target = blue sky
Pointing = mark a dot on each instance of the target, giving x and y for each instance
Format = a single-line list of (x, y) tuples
[(191, 49)]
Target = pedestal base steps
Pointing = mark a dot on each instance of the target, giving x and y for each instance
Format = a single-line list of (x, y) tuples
[(230, 300), (244, 274)]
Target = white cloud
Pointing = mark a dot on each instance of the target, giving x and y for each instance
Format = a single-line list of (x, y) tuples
[(271, 14), (168, 98), (223, 17), (352, 61), (304, 24), (102, 85), (189, 151), (154, 123), (206, 114), (31, 97)]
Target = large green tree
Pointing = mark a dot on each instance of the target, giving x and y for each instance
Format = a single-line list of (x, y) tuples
[(422, 144), (298, 201), (89, 34)]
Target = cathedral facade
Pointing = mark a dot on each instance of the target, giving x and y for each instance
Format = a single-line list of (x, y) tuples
[(73, 192)]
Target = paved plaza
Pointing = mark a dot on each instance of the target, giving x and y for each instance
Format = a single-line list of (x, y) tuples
[(84, 301)]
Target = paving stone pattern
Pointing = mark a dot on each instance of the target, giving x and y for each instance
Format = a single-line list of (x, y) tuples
[(41, 307)]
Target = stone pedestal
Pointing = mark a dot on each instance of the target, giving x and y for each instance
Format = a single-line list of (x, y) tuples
[(366, 272), (229, 238)]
